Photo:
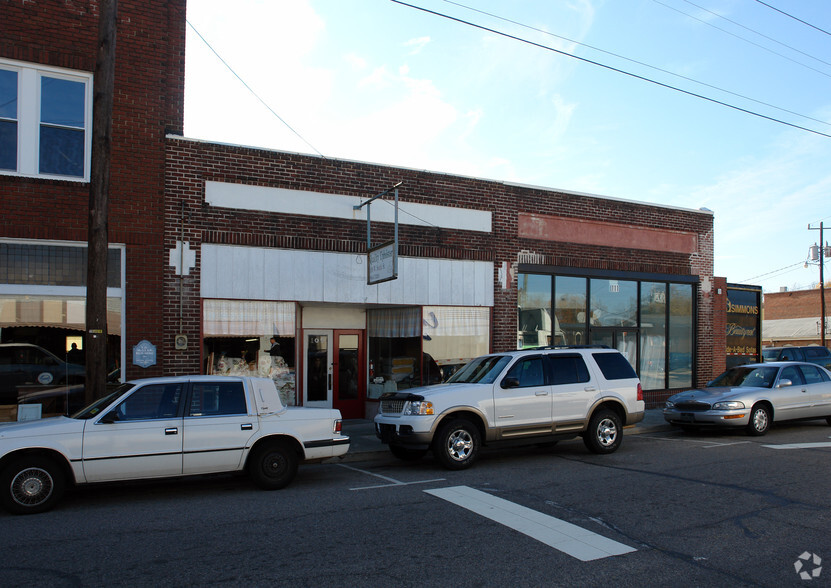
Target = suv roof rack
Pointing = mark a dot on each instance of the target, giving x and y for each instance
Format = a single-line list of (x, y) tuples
[(566, 347)]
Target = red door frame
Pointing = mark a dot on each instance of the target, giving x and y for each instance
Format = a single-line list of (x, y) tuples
[(350, 408)]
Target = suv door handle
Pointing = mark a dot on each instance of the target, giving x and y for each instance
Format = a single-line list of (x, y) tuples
[(590, 389), (541, 393), (246, 427), (171, 431)]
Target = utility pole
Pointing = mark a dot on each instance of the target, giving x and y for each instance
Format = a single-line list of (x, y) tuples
[(820, 254), (99, 188)]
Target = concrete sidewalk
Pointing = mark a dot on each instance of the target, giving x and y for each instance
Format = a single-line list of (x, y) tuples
[(365, 445)]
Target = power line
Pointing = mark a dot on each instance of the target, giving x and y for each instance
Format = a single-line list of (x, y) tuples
[(263, 102), (738, 24), (781, 269), (769, 50), (641, 63), (793, 17), (609, 67)]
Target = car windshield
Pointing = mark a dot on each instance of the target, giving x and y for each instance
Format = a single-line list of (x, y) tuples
[(761, 377), (96, 407), (482, 370), (770, 354)]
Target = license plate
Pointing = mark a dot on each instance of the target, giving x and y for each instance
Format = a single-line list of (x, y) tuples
[(687, 417)]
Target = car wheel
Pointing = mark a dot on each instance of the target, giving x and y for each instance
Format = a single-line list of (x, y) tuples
[(759, 422), (273, 466), (32, 485), (407, 454), (456, 444), (605, 432)]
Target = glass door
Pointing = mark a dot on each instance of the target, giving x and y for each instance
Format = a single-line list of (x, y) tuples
[(317, 368)]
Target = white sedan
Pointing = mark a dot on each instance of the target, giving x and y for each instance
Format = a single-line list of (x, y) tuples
[(165, 427)]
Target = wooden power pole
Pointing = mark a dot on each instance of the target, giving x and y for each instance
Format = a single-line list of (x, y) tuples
[(102, 124)]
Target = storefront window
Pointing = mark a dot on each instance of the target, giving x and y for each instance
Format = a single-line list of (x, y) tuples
[(252, 338), (451, 337), (42, 324), (614, 303), (653, 335), (569, 311), (680, 335), (394, 349), (534, 312)]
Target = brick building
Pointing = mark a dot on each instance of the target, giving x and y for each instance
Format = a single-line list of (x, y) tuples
[(793, 318), (228, 259)]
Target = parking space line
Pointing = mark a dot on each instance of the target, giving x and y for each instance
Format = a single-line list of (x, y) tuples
[(572, 540), (707, 444), (800, 445), (392, 481)]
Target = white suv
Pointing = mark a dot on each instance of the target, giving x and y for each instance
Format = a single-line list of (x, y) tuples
[(532, 396)]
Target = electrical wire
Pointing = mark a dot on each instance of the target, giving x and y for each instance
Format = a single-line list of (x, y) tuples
[(738, 24), (793, 17), (641, 63), (263, 102), (610, 68), (769, 50)]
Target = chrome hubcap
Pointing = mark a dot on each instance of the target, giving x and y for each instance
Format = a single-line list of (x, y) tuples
[(459, 445), (606, 432)]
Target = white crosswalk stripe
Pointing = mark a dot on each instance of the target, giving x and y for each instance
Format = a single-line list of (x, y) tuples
[(570, 539)]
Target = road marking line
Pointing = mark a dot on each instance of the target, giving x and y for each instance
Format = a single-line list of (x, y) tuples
[(799, 445), (707, 444), (570, 539), (392, 481)]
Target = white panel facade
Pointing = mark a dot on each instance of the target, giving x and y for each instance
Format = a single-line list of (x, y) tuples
[(252, 273), (266, 199)]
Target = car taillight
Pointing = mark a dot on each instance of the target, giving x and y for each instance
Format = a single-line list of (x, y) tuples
[(640, 391), (338, 427)]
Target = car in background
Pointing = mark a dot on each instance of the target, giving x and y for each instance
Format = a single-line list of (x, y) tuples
[(811, 353), (754, 396), (24, 366)]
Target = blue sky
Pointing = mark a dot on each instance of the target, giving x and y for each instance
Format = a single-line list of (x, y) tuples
[(376, 81)]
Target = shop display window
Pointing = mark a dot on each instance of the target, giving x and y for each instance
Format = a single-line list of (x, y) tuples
[(252, 338), (451, 337), (570, 310), (680, 336), (534, 312), (653, 335)]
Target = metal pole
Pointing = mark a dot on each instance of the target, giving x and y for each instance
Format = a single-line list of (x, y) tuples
[(822, 282)]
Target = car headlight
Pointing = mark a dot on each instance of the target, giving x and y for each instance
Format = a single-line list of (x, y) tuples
[(730, 405), (416, 407), (669, 404)]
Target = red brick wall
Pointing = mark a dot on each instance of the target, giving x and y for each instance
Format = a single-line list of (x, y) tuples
[(796, 304), (149, 99), (192, 163)]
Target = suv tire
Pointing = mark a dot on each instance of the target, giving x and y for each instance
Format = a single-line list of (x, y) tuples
[(605, 432), (456, 444)]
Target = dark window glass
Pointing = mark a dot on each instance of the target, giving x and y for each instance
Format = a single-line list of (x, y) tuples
[(528, 372), (8, 94), (62, 130), (8, 145), (52, 265), (569, 311), (568, 369), (61, 151), (62, 102), (217, 399), (8, 119), (614, 303), (614, 366), (154, 401), (812, 374), (793, 374), (814, 352)]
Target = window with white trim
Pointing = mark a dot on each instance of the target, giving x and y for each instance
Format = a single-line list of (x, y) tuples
[(45, 121)]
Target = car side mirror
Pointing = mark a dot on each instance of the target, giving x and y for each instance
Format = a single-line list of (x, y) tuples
[(784, 383), (510, 383)]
